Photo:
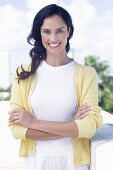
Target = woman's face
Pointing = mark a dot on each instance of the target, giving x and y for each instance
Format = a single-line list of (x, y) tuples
[(54, 35)]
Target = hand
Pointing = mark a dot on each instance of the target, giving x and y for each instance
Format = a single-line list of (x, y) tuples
[(21, 116), (82, 112)]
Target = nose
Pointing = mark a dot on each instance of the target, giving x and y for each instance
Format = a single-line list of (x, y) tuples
[(53, 37)]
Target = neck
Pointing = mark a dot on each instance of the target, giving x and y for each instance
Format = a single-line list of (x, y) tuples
[(58, 60)]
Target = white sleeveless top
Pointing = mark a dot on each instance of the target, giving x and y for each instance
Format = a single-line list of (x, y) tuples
[(54, 99)]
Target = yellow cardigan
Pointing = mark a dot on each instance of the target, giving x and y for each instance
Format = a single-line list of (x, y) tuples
[(86, 87)]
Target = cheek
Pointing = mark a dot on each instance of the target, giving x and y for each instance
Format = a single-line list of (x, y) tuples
[(44, 39), (63, 37)]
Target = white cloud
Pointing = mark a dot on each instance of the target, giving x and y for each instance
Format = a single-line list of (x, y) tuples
[(13, 27), (36, 6), (93, 34)]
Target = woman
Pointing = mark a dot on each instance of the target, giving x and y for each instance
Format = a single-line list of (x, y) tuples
[(46, 95)]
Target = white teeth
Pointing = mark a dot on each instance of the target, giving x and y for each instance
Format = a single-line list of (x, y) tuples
[(53, 45)]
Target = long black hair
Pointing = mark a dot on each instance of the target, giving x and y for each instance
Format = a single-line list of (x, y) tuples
[(38, 52)]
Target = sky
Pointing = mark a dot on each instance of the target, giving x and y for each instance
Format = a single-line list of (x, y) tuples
[(93, 35)]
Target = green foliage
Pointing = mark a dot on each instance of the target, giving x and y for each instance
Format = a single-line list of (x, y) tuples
[(6, 91), (105, 85)]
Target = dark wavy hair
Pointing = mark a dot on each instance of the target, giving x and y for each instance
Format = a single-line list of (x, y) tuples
[(38, 52)]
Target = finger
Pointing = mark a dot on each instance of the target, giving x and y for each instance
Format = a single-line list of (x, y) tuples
[(11, 119), (17, 110), (82, 112), (87, 107), (14, 114), (83, 107), (15, 122), (83, 115), (85, 110)]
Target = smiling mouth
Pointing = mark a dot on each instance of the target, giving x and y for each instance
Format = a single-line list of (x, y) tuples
[(54, 45)]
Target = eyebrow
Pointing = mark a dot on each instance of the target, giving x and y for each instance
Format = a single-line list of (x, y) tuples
[(56, 29)]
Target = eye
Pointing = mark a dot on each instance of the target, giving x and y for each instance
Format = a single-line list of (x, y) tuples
[(46, 32), (59, 31)]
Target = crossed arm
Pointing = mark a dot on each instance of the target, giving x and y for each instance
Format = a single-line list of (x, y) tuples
[(47, 130)]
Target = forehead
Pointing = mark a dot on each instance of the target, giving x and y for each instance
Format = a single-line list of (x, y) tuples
[(54, 21)]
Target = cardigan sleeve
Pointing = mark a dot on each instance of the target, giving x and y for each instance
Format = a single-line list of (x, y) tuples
[(88, 89), (16, 101)]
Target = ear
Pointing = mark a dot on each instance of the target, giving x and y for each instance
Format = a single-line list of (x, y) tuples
[(69, 32)]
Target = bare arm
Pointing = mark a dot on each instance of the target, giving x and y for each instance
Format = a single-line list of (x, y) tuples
[(61, 129), (47, 130), (64, 129), (40, 135)]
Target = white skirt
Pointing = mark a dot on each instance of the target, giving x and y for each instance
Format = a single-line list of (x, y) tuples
[(52, 161), (52, 155)]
